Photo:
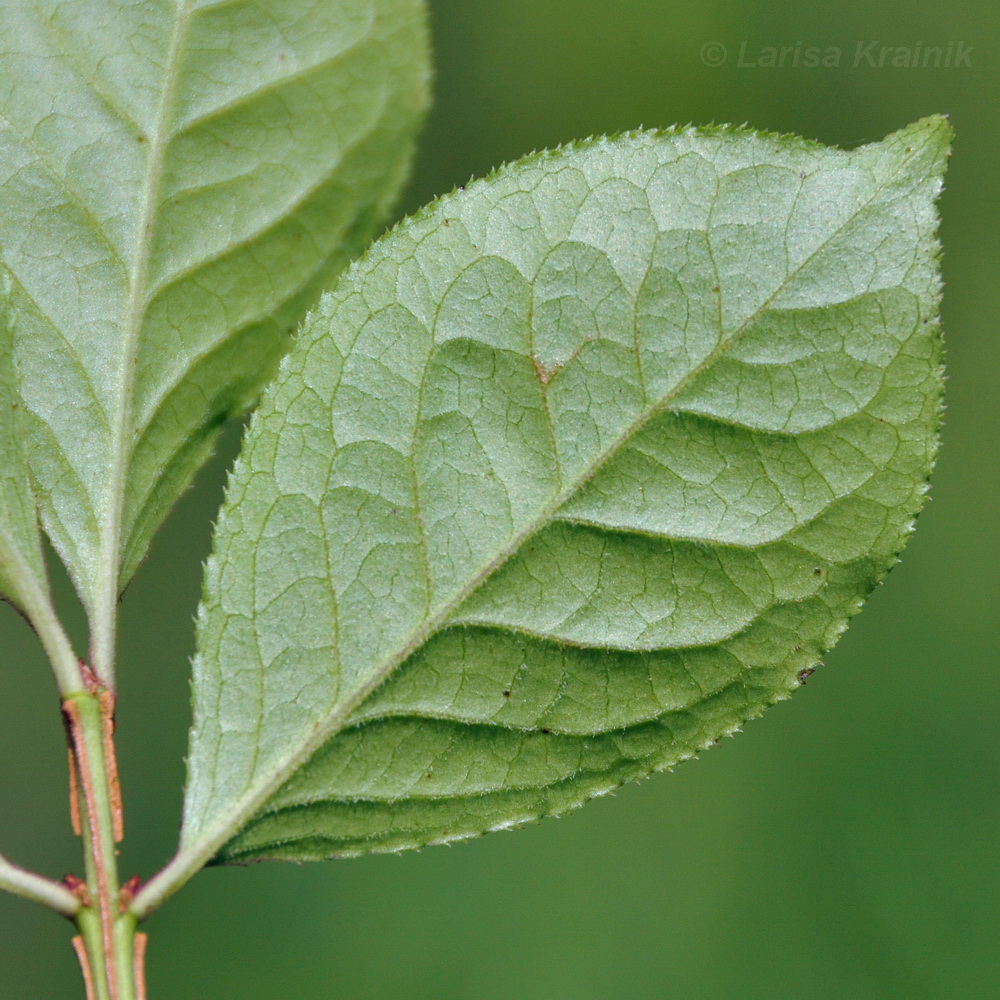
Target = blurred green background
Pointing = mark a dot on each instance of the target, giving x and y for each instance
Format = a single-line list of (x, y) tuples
[(845, 846)]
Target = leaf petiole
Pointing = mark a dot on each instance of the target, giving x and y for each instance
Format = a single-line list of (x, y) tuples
[(38, 889)]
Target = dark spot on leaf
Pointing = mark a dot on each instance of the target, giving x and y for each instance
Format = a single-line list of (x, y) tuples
[(818, 571), (805, 674), (546, 730), (506, 694)]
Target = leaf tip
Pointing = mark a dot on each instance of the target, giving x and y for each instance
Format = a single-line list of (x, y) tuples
[(929, 137)]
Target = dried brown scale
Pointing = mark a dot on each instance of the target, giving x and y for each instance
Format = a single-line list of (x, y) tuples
[(88, 978), (139, 965), (107, 700), (79, 889)]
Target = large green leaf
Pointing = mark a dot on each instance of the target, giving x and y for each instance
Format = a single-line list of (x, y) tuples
[(178, 180), (571, 474), (22, 572)]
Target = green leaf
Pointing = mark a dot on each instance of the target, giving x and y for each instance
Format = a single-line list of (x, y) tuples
[(178, 181), (571, 474), (22, 570)]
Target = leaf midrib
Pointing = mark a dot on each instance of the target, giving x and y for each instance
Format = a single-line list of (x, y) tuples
[(109, 550), (193, 857)]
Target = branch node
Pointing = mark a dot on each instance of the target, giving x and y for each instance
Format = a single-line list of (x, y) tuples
[(79, 889), (127, 893), (90, 681)]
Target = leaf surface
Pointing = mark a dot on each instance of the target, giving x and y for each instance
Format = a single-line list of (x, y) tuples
[(178, 180), (571, 474), (22, 572)]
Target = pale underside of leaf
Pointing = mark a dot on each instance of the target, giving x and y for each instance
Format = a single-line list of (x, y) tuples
[(22, 572), (178, 181), (571, 474)]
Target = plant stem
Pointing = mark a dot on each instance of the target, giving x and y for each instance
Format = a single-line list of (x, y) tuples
[(27, 884), (107, 929)]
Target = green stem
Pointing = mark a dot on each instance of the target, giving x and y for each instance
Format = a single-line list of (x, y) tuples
[(41, 890), (107, 929)]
